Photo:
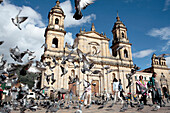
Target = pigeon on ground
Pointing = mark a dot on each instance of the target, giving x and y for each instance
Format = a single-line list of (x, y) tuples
[(18, 20), (101, 107), (110, 106), (132, 105), (140, 107), (81, 4), (156, 108)]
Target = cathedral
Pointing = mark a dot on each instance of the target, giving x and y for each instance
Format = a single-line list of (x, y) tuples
[(97, 45)]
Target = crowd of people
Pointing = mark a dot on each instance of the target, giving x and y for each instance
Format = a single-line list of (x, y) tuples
[(143, 89)]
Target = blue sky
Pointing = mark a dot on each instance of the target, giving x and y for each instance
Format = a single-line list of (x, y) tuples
[(147, 21)]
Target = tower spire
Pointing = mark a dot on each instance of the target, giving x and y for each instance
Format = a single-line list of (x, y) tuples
[(92, 27), (58, 3), (118, 18)]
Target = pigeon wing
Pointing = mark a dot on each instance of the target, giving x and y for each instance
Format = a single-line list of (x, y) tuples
[(85, 3), (21, 19)]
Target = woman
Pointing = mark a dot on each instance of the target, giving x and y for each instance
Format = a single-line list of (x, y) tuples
[(141, 89), (115, 89)]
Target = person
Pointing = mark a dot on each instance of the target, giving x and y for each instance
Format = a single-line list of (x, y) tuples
[(87, 99), (1, 94), (156, 90), (115, 89), (120, 92), (141, 89), (71, 94)]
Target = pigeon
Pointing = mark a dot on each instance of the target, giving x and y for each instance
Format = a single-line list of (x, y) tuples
[(74, 46), (110, 106), (109, 71), (2, 62), (96, 71), (140, 107), (16, 54), (106, 67), (52, 79), (124, 108), (163, 55), (44, 45), (1, 42), (64, 70), (156, 108), (132, 105), (87, 66), (81, 4), (1, 1), (88, 106), (47, 77), (18, 20), (101, 107), (25, 68)]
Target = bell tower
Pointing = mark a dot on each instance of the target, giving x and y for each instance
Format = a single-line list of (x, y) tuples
[(121, 48), (54, 32)]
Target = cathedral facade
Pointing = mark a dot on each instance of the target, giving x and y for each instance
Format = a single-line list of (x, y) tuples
[(94, 43)]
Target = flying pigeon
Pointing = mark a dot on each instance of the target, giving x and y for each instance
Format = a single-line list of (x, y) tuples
[(1, 1), (25, 68), (52, 79), (106, 67), (81, 4), (16, 54), (64, 70), (163, 55), (74, 46), (18, 20), (1, 42)]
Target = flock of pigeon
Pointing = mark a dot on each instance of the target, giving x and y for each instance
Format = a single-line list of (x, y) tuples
[(9, 73)]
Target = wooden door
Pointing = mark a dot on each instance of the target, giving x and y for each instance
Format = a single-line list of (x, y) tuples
[(95, 89)]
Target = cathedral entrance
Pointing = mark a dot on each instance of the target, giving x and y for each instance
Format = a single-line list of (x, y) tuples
[(95, 87), (73, 88)]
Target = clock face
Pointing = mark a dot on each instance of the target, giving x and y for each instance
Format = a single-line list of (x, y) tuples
[(56, 26)]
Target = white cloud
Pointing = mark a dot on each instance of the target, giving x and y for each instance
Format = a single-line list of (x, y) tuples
[(69, 20), (168, 61), (163, 34), (143, 53), (68, 38), (167, 4), (30, 37)]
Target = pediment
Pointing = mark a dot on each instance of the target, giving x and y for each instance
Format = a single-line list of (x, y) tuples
[(94, 34)]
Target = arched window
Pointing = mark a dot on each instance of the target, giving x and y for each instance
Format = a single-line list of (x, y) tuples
[(55, 43), (123, 35), (56, 21), (125, 53)]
